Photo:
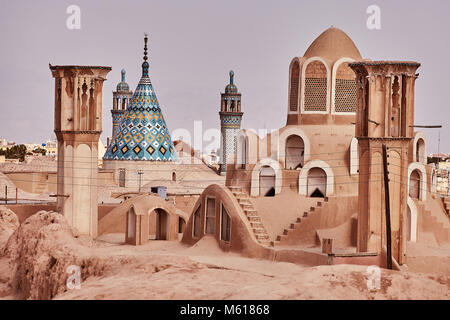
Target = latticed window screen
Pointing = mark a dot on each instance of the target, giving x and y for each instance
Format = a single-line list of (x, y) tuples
[(315, 94), (345, 96)]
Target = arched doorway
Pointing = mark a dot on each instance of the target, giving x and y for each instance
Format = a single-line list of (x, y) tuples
[(294, 153), (316, 183), (158, 225), (181, 225), (267, 181), (131, 223), (414, 184)]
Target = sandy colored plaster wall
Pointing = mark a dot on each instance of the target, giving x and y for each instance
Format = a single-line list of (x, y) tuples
[(34, 182), (23, 211)]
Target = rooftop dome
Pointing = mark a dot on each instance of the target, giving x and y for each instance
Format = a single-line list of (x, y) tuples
[(231, 87), (142, 133), (122, 85), (332, 45)]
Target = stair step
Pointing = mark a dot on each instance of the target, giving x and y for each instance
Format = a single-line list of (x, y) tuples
[(251, 215), (312, 209), (305, 214), (261, 236), (264, 242), (254, 218), (281, 237), (238, 188), (299, 220), (319, 204), (325, 199), (259, 231), (256, 224), (274, 243), (244, 201)]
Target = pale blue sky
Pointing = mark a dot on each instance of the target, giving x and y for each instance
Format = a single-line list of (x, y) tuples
[(193, 45)]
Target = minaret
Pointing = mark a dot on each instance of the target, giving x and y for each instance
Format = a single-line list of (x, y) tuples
[(78, 125), (384, 116), (121, 100), (230, 121)]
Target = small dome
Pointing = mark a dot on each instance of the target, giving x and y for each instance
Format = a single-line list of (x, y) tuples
[(332, 45), (231, 87), (122, 85)]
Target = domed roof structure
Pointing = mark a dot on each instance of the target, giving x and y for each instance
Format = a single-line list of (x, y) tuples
[(231, 87), (332, 45), (122, 85), (142, 133)]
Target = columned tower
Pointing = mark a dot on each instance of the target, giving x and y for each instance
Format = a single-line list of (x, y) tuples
[(78, 125), (230, 121), (384, 115), (121, 100)]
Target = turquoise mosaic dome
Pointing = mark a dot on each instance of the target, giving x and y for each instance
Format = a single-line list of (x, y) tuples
[(142, 134)]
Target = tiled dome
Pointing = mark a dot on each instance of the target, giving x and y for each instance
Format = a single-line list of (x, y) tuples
[(142, 133)]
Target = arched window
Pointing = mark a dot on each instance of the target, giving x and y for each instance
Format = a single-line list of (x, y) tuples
[(210, 216), (345, 89), (316, 90), (181, 225), (420, 150), (317, 183), (225, 224), (267, 182), (294, 153), (414, 184), (174, 176), (293, 94)]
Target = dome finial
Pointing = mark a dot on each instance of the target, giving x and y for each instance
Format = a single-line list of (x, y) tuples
[(123, 72), (145, 46), (231, 76), (145, 65)]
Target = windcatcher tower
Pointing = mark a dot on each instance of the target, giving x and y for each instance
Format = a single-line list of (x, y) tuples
[(78, 125), (121, 100), (230, 121), (384, 115), (142, 133)]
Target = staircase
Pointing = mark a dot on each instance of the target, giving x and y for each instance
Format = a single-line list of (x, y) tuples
[(282, 239), (431, 223), (252, 215)]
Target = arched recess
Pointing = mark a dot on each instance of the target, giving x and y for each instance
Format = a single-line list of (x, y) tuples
[(294, 153), (315, 97), (284, 135), (303, 177), (354, 156), (343, 88), (266, 162), (420, 148), (249, 151), (267, 181), (294, 82), (420, 169), (241, 151), (316, 183), (411, 221)]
